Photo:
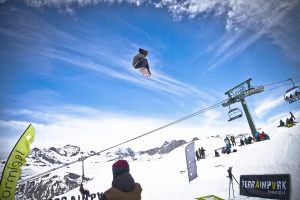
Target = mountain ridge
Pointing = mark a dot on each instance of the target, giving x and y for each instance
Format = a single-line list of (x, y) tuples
[(52, 184)]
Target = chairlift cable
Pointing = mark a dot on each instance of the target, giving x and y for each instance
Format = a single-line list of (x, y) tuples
[(280, 86), (275, 83), (294, 78), (277, 87), (162, 127)]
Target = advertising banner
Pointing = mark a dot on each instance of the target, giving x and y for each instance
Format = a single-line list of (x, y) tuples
[(13, 166), (191, 161), (272, 186)]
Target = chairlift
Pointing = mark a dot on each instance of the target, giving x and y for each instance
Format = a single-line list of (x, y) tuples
[(292, 94), (234, 113)]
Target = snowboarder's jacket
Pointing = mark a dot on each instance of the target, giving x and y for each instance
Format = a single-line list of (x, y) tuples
[(123, 188), (137, 59)]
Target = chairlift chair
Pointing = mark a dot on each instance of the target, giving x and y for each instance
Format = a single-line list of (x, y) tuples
[(234, 113), (292, 94)]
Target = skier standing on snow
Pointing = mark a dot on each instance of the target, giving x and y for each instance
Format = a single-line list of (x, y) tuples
[(232, 139), (281, 123), (230, 180), (217, 153), (292, 116), (202, 153), (242, 142), (197, 155), (123, 185)]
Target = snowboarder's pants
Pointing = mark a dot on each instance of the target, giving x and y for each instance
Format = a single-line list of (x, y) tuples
[(142, 63)]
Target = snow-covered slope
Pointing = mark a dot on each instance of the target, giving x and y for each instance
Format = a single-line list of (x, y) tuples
[(166, 178), (162, 170), (52, 183)]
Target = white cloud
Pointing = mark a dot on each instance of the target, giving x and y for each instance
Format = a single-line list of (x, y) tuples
[(246, 21), (192, 8), (68, 3), (246, 13), (231, 46), (159, 82), (252, 14), (92, 129), (276, 118), (267, 105), (97, 57)]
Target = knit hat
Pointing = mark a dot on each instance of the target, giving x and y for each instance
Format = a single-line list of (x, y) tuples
[(120, 167)]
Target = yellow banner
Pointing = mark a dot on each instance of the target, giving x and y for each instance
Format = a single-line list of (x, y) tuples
[(12, 169)]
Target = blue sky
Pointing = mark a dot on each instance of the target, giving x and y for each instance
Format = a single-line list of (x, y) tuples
[(66, 67)]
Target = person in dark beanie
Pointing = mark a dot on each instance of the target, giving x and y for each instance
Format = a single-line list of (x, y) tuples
[(123, 185), (139, 60)]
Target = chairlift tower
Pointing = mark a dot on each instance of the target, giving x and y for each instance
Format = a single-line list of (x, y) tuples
[(239, 94)]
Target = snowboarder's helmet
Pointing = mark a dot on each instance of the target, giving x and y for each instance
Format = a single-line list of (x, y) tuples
[(143, 51)]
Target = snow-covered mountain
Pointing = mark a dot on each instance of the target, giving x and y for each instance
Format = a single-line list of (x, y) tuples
[(61, 181), (48, 186), (69, 153), (51, 156)]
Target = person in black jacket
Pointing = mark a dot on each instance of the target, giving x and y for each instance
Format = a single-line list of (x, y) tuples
[(197, 155), (202, 153), (123, 185), (217, 153)]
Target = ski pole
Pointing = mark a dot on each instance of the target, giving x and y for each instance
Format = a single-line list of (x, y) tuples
[(239, 184)]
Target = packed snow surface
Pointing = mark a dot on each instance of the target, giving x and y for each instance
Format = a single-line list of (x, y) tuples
[(166, 178)]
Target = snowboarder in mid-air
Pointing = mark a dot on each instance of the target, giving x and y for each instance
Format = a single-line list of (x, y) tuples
[(140, 62)]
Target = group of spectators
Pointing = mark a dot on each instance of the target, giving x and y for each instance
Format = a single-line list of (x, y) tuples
[(258, 137), (229, 142), (289, 122), (200, 153), (246, 140), (262, 136), (291, 98)]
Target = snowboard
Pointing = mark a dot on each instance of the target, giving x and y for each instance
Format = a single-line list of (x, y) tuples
[(144, 71)]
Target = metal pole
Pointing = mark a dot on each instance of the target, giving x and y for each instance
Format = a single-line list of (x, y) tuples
[(82, 169), (249, 118)]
